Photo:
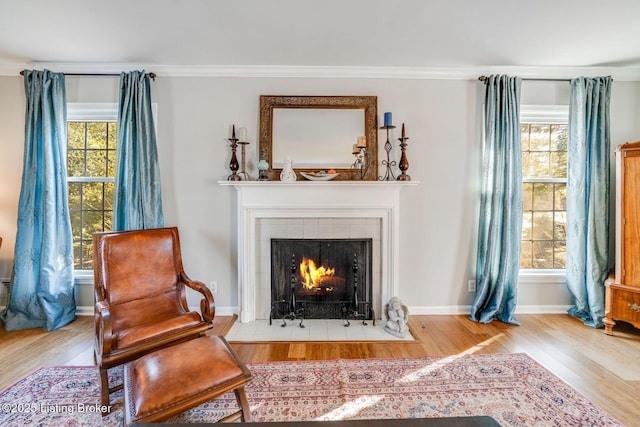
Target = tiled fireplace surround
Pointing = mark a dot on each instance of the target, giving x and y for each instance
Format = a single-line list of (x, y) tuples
[(303, 209)]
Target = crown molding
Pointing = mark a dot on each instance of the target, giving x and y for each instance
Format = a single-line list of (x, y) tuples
[(342, 72)]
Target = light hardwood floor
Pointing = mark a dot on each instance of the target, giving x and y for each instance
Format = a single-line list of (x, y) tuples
[(606, 369)]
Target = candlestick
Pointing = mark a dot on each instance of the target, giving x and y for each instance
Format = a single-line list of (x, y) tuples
[(404, 163), (362, 160), (243, 173), (233, 164), (387, 119), (388, 164)]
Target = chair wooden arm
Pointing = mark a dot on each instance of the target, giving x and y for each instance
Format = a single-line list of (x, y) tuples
[(104, 333), (207, 304)]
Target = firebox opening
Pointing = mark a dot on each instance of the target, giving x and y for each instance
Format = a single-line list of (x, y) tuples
[(326, 277)]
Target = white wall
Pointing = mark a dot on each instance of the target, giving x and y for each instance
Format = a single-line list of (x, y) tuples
[(438, 217)]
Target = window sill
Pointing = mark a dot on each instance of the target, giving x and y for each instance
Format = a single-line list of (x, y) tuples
[(531, 276), (83, 277)]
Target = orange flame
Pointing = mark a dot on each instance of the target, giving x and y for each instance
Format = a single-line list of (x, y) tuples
[(313, 276)]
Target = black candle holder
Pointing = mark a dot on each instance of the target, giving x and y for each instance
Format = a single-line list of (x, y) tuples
[(233, 164), (404, 163), (388, 175)]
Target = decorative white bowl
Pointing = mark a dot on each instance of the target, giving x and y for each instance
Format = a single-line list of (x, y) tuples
[(319, 177)]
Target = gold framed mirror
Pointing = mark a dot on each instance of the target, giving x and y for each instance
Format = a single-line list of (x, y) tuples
[(319, 133)]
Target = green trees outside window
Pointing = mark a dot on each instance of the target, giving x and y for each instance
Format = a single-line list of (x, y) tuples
[(544, 217), (91, 155)]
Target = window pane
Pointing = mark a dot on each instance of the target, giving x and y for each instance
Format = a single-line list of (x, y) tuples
[(112, 128), (77, 255), (92, 223), (542, 197), (87, 255), (526, 164), (539, 138), (527, 224), (97, 135), (539, 165), (75, 135), (560, 255), (559, 137), (96, 163), (108, 197), (524, 137), (560, 198), (92, 196), (526, 255), (527, 196), (543, 254), (76, 223), (560, 225), (542, 226), (74, 189), (558, 163), (111, 163), (75, 162)]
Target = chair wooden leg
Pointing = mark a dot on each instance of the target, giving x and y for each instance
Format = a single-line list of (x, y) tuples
[(104, 387), (243, 403), (244, 414)]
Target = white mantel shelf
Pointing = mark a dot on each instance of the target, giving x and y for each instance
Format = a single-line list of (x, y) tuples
[(315, 199), (301, 184)]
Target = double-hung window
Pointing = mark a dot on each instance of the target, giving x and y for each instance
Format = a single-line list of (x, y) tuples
[(91, 157), (544, 138)]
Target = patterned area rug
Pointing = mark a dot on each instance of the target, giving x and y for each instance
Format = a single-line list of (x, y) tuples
[(512, 388)]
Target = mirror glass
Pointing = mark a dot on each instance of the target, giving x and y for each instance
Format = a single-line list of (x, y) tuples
[(315, 138), (319, 133)]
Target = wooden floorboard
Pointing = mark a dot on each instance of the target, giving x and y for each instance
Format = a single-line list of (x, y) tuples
[(606, 369)]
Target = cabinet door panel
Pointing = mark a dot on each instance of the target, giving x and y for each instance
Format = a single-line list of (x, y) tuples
[(631, 223)]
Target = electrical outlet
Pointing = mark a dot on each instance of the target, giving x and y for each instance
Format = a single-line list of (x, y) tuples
[(213, 286), (471, 286)]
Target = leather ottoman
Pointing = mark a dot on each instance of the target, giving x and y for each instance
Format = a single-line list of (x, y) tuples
[(171, 380)]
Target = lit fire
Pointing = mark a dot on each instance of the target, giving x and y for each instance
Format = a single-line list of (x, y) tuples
[(313, 276)]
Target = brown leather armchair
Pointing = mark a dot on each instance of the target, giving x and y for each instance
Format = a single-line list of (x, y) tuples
[(140, 298)]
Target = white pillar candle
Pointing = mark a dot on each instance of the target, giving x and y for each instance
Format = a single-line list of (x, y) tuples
[(242, 134)]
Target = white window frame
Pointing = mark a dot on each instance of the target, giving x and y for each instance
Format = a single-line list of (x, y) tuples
[(543, 114)]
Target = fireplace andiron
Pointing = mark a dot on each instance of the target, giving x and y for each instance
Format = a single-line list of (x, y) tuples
[(291, 305), (350, 310)]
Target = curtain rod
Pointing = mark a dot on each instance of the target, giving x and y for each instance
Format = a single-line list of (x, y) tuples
[(484, 79), (152, 75)]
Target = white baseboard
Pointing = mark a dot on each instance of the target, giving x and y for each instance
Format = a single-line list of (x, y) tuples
[(466, 309), (542, 309), (417, 310)]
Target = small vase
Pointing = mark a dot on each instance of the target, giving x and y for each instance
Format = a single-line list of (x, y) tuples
[(263, 168), (288, 173)]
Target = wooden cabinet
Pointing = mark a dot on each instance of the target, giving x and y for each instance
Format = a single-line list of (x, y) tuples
[(622, 294)]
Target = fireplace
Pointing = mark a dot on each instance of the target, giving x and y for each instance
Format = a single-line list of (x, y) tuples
[(338, 208), (321, 278)]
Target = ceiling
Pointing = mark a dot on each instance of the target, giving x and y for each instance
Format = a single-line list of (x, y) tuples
[(433, 34)]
